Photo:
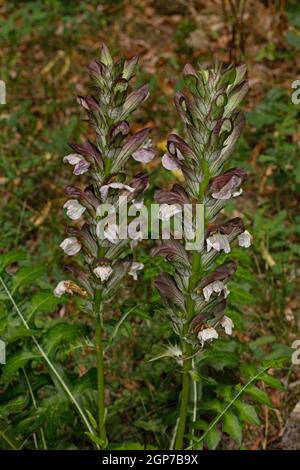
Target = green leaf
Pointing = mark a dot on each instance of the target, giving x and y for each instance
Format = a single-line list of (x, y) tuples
[(43, 301), (219, 359), (15, 405), (293, 14), (15, 363), (293, 40), (9, 258), (272, 381), (62, 333), (211, 405), (233, 427), (20, 332), (247, 412), (259, 395), (212, 439), (261, 342), (26, 275)]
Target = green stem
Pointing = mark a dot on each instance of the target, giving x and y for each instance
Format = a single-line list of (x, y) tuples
[(184, 400), (187, 352), (100, 371)]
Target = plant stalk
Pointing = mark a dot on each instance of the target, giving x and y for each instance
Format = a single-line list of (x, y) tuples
[(187, 363), (100, 372), (184, 400)]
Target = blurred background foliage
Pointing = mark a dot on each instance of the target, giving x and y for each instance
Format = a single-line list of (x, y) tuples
[(45, 47)]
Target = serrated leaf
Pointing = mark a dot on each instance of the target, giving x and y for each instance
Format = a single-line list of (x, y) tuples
[(19, 332), (62, 333), (212, 439), (15, 363), (247, 412), (43, 301), (259, 395), (211, 405), (233, 427), (25, 276), (272, 381)]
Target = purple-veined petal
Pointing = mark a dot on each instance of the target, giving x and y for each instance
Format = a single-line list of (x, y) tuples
[(144, 155), (81, 167), (71, 246), (72, 158), (74, 209), (169, 163)]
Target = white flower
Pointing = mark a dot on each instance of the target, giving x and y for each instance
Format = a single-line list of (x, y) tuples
[(227, 324), (72, 158), (169, 163), (216, 286), (71, 246), (105, 188), (245, 239), (103, 272), (74, 209), (228, 189), (134, 268), (81, 166), (68, 287), (218, 242), (111, 233), (135, 240), (207, 334), (60, 289), (144, 154), (166, 211)]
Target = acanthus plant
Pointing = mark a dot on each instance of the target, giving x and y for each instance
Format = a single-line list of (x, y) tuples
[(104, 261), (195, 295)]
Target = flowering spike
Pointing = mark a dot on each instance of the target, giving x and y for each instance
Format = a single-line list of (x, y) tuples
[(103, 265), (195, 299)]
